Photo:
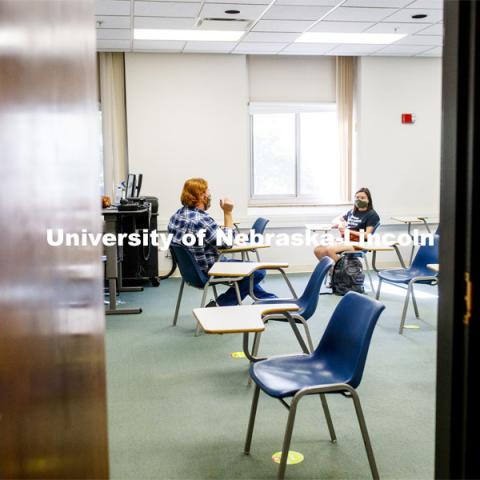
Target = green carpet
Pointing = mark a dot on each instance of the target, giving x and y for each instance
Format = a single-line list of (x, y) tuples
[(178, 405)]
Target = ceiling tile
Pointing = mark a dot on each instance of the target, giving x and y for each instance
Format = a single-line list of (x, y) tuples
[(434, 52), (241, 2), (113, 34), (433, 40), (319, 3), (159, 45), (436, 29), (115, 21), (271, 37), (217, 10), (308, 48), (341, 27), (298, 12), (282, 26), (167, 9), (113, 45), (426, 4), (405, 15), (360, 14), (164, 23), (112, 7), (355, 49), (248, 47), (213, 47), (385, 27), (377, 3), (406, 50)]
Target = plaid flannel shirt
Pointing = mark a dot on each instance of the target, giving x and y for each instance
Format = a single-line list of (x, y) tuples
[(191, 220)]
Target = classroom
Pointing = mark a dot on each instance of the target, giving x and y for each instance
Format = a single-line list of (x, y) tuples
[(246, 242)]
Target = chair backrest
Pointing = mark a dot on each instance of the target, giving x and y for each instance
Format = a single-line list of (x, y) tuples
[(259, 225), (344, 346), (188, 267), (309, 299), (426, 254)]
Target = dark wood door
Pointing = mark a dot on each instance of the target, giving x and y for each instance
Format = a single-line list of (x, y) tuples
[(52, 366), (458, 420)]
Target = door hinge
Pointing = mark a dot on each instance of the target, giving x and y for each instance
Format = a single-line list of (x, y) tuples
[(468, 299)]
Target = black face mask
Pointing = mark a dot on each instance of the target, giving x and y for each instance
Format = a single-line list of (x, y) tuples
[(361, 203)]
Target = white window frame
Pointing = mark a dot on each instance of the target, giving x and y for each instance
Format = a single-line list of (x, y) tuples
[(296, 108)]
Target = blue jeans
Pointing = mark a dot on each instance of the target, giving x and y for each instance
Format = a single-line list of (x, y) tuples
[(230, 297)]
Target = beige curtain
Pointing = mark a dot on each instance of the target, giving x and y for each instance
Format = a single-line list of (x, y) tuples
[(112, 98), (346, 67)]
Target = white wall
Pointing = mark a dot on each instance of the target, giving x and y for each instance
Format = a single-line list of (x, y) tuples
[(187, 116), (399, 163), (274, 78)]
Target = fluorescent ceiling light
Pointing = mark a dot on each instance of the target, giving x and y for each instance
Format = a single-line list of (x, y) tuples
[(187, 35), (350, 38)]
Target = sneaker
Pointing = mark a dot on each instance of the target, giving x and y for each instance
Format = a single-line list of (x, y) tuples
[(210, 304)]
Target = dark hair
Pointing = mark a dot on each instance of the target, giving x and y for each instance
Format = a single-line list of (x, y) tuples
[(369, 195)]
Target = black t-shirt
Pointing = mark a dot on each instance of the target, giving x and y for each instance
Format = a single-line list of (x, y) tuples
[(361, 220)]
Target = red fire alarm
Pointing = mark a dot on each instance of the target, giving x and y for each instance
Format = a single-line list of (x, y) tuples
[(408, 118)]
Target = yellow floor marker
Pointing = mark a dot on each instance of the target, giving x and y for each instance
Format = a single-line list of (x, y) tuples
[(238, 355), (293, 457), (412, 327)]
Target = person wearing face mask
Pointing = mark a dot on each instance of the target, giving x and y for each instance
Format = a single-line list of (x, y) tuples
[(193, 218), (361, 218)]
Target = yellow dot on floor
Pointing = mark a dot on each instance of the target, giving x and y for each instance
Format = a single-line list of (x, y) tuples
[(293, 457), (412, 327), (238, 355)]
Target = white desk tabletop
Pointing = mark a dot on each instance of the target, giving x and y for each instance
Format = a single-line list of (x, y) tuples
[(433, 266), (242, 269), (372, 247), (239, 318), (319, 227), (243, 248), (409, 219)]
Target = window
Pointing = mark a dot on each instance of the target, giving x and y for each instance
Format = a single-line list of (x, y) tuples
[(295, 154)]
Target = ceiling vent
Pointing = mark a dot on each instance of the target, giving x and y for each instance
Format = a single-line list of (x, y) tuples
[(240, 24)]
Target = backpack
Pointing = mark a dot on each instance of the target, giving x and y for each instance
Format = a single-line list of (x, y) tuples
[(348, 275)]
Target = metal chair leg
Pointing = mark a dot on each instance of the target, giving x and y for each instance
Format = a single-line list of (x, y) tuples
[(179, 299), (405, 308), (215, 293), (237, 291), (414, 301), (251, 422), (307, 333), (365, 436), (369, 274), (328, 418), (287, 439), (377, 296), (258, 256), (256, 344), (204, 299)]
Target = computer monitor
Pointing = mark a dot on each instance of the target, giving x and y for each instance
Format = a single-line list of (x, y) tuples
[(131, 180), (139, 184)]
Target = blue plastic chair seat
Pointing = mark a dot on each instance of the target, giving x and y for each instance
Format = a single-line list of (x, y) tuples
[(405, 275), (284, 376)]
